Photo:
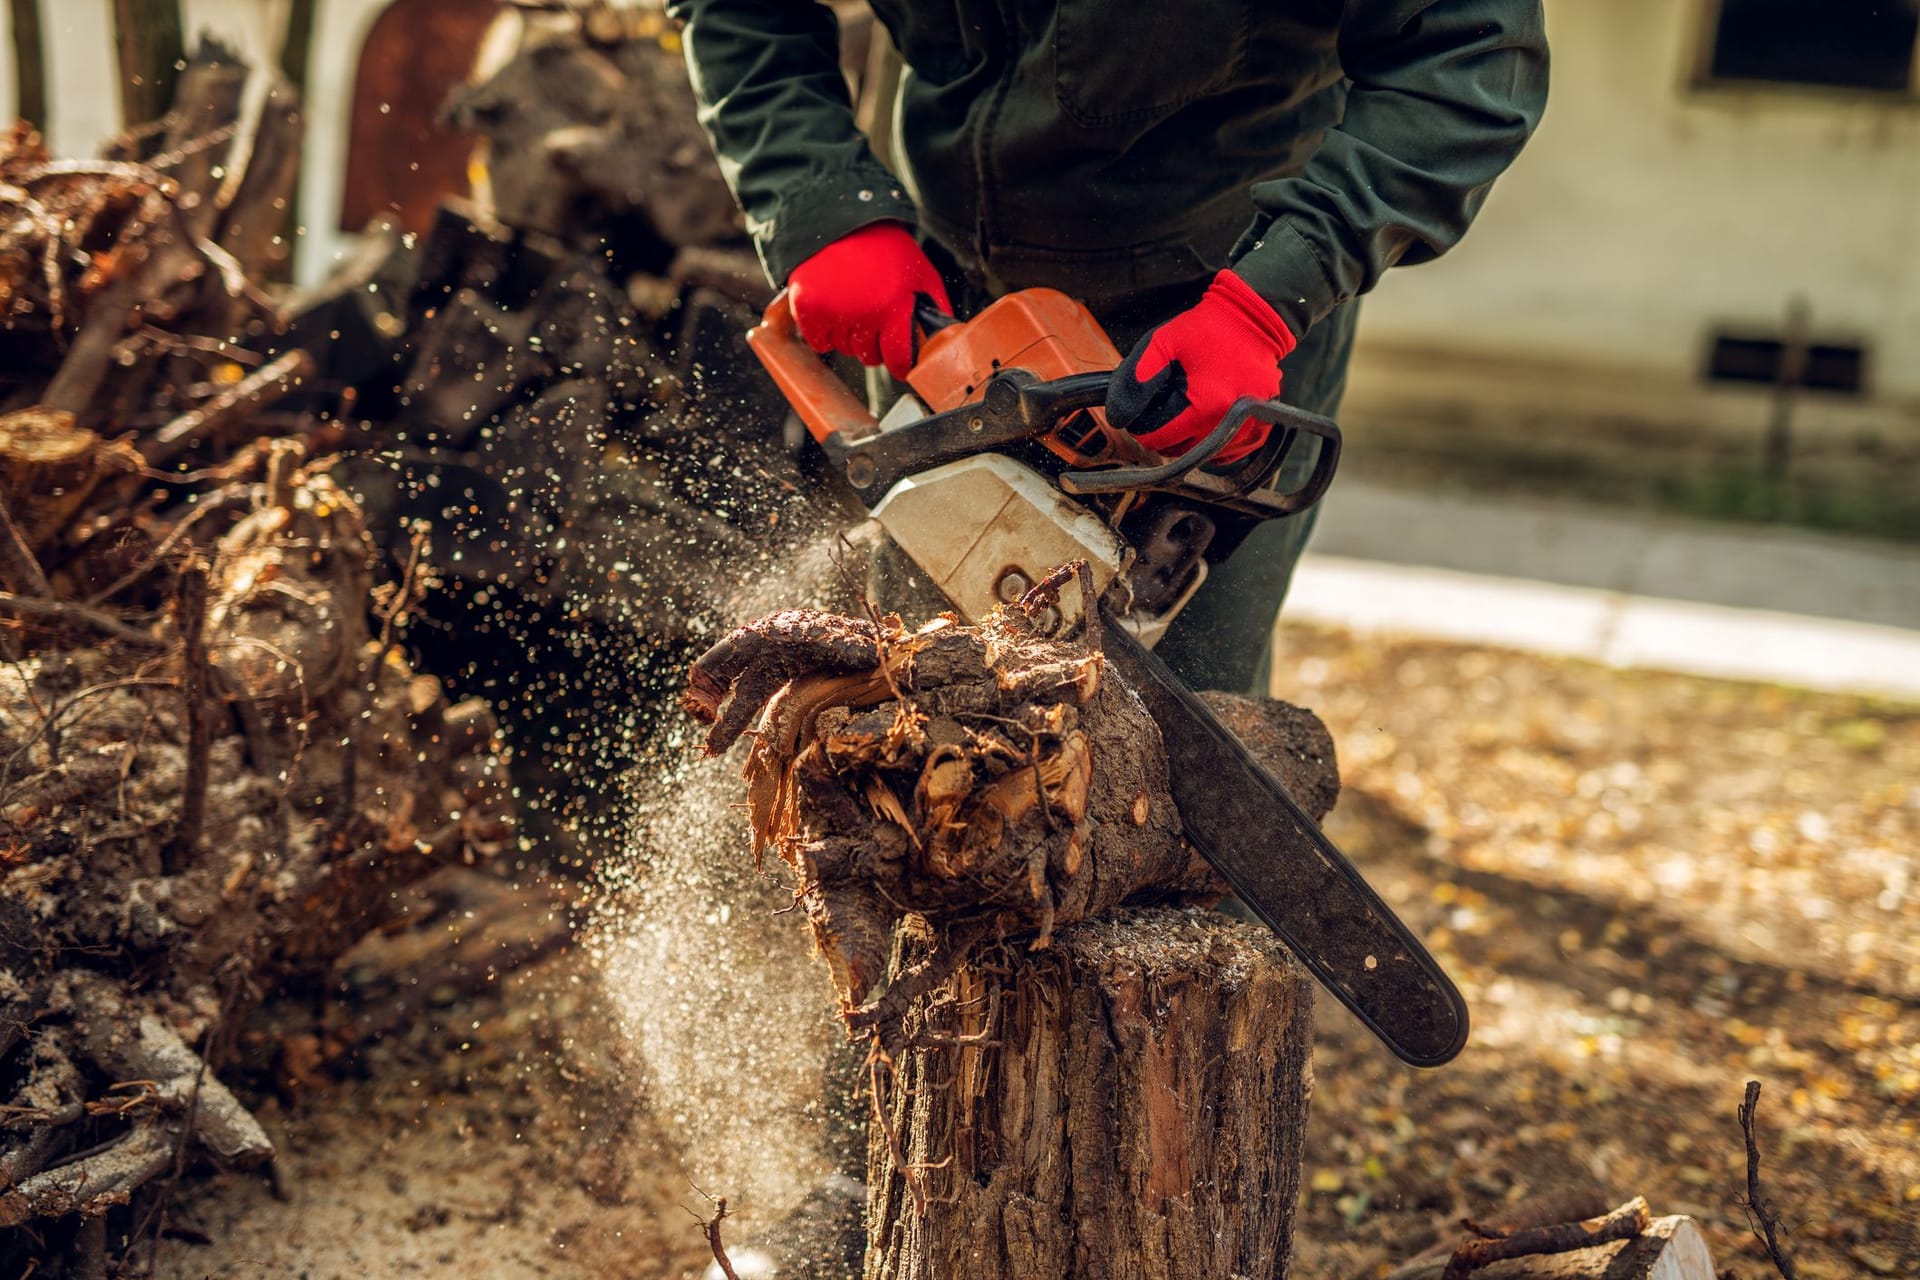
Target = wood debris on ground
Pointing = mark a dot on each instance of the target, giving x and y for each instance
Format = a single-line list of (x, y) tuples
[(216, 768), (1652, 888)]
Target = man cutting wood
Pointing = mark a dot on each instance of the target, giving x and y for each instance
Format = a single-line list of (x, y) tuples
[(1218, 180)]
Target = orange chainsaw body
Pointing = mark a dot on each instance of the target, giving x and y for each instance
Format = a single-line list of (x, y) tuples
[(1042, 331)]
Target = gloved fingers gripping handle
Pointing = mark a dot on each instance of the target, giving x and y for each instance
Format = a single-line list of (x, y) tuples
[(1256, 471), (930, 316), (823, 402), (856, 295), (1139, 405), (899, 345)]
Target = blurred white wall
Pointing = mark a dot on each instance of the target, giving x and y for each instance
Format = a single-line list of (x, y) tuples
[(1646, 211)]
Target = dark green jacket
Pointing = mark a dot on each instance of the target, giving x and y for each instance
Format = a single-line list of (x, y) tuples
[(1106, 147)]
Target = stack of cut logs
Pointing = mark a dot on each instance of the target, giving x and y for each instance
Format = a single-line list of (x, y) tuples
[(216, 770)]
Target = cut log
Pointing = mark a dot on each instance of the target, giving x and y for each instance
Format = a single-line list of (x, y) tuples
[(1670, 1248), (1129, 1104), (50, 470), (592, 125)]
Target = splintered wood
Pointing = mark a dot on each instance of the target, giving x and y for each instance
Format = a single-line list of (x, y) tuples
[(946, 773), (1070, 1074)]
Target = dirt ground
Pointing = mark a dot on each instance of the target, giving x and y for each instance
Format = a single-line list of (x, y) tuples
[(1651, 889)]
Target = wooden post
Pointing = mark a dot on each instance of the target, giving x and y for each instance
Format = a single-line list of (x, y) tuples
[(1795, 348), (296, 51), (29, 63), (151, 49), (1134, 1109)]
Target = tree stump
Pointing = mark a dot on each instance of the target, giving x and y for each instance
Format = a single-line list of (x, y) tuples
[(1128, 1104), (1074, 1074)]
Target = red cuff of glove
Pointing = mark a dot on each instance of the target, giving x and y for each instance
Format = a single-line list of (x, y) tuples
[(1173, 388), (856, 296)]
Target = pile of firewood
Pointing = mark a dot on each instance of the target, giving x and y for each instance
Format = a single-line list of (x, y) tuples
[(553, 379), (216, 768), (555, 371)]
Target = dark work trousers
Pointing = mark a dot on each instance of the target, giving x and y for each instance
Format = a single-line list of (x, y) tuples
[(1223, 639)]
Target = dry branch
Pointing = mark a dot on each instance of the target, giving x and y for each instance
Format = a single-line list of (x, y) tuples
[(19, 571), (78, 615), (1629, 1220), (1766, 1223), (248, 396)]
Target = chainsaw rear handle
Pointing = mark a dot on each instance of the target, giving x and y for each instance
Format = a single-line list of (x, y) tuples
[(1246, 478), (824, 403), (840, 422), (821, 399)]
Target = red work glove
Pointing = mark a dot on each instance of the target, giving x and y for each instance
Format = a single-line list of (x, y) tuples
[(856, 296), (1175, 386)]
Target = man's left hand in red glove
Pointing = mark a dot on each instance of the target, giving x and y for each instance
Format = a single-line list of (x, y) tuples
[(1179, 381), (857, 295)]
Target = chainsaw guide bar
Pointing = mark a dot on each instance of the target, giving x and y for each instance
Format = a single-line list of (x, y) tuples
[(1290, 875)]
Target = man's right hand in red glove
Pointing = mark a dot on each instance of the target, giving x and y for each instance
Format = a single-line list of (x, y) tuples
[(856, 296), (1180, 379)]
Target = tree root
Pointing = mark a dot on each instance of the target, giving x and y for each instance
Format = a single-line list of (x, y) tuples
[(959, 782)]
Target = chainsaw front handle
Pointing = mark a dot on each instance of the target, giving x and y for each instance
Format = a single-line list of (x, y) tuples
[(1252, 478), (825, 403)]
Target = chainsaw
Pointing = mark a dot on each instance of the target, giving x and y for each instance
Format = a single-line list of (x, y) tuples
[(998, 465)]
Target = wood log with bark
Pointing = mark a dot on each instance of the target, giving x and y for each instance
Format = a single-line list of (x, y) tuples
[(980, 829)]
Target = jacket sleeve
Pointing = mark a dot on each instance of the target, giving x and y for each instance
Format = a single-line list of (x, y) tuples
[(1442, 95), (774, 102)]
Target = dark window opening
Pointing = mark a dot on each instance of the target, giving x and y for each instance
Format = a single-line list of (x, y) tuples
[(1829, 366), (1848, 44)]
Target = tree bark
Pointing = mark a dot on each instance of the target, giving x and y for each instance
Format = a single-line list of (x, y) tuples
[(1134, 1109)]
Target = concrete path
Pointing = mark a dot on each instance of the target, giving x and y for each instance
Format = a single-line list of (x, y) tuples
[(1625, 588)]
